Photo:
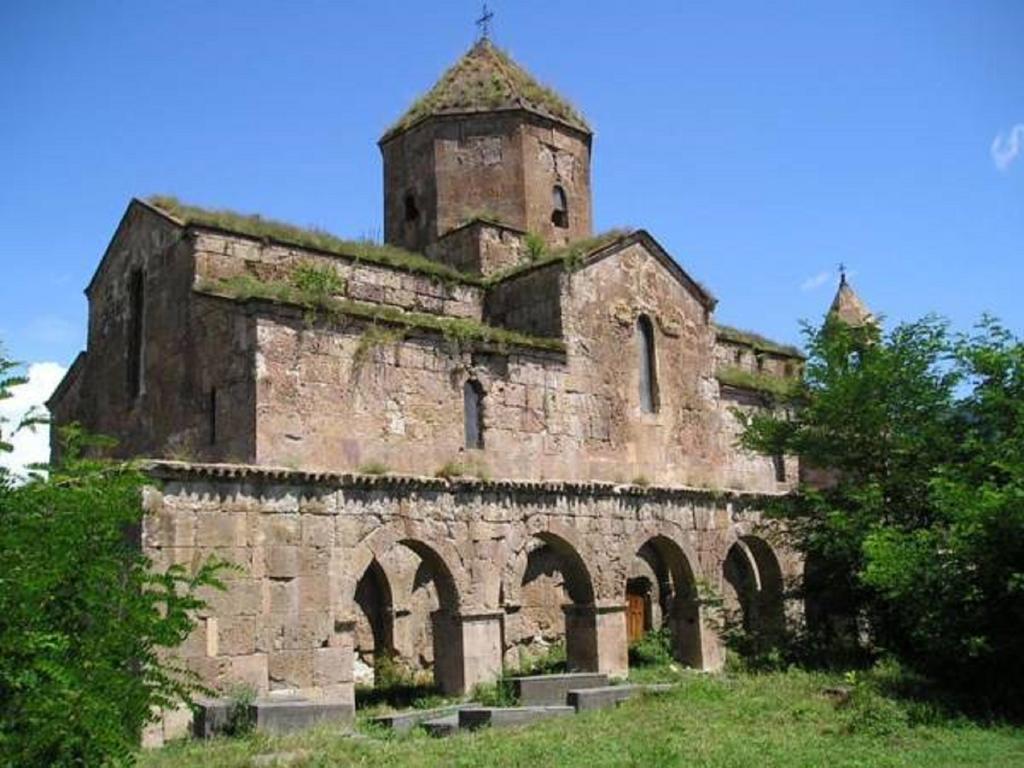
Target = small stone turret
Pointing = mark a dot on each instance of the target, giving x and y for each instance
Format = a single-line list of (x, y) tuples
[(489, 144), (848, 306)]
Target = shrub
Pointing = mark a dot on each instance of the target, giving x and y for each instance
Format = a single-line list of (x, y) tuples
[(535, 246), (84, 617), (866, 711), (653, 649)]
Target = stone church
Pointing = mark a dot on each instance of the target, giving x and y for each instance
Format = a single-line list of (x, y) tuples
[(495, 432)]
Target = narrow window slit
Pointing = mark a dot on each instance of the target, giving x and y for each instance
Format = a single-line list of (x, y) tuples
[(473, 413), (648, 365), (560, 207), (136, 306)]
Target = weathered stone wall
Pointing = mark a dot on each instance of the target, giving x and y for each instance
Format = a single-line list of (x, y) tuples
[(555, 155), (409, 170), (344, 395), (196, 386), (501, 165), (289, 619), (746, 358), (602, 304), (530, 302), (481, 248), (223, 256), (348, 394)]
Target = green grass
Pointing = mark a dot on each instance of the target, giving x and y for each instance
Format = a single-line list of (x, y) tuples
[(253, 225), (780, 719), (461, 330)]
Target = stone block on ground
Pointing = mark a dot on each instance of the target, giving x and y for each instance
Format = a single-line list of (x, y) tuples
[(472, 718), (553, 690), (212, 717), (285, 715), (601, 698), (403, 722), (442, 726)]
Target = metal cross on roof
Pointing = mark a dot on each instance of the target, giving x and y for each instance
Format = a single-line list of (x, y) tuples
[(842, 272), (484, 22)]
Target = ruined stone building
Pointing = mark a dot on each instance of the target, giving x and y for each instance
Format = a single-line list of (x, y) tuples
[(494, 431)]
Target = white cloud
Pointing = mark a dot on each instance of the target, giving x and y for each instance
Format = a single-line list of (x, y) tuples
[(1007, 147), (30, 446), (815, 281)]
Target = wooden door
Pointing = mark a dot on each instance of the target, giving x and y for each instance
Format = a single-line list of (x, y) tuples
[(636, 612)]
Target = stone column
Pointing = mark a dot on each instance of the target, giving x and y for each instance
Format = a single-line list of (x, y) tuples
[(333, 665), (595, 638), (467, 649)]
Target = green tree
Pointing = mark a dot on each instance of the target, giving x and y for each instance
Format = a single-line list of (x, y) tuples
[(918, 524), (85, 620)]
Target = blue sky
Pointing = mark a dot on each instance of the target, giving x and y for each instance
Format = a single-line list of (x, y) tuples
[(761, 143)]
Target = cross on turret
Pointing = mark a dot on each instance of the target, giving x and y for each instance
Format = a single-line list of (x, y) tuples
[(484, 23)]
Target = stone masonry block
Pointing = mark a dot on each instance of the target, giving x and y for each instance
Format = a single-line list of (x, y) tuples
[(290, 669), (283, 561), (332, 666), (221, 529)]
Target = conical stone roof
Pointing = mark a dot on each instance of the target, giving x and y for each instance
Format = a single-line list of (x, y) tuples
[(486, 79), (848, 307)]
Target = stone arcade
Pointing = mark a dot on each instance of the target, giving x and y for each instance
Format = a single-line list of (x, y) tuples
[(497, 431)]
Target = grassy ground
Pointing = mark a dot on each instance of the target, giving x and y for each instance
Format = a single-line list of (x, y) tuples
[(778, 719)]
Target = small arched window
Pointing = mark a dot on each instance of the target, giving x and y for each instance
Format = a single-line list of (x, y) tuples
[(559, 207), (648, 365), (473, 413), (411, 211)]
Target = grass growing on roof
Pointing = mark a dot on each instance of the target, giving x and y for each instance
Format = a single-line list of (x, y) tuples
[(757, 341), (760, 382), (461, 330), (487, 78), (254, 225)]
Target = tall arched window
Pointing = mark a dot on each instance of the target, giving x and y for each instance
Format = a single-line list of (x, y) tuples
[(473, 413), (559, 207), (136, 328), (648, 365)]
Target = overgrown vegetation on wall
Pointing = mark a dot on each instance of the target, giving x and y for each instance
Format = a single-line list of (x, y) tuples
[(459, 330), (917, 540), (571, 256), (760, 382), (755, 341), (83, 618)]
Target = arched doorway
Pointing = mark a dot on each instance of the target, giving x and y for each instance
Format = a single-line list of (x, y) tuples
[(671, 601), (413, 574), (373, 634), (753, 595), (554, 603)]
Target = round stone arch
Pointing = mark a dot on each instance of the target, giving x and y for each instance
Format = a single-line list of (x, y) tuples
[(678, 560), (581, 632), (753, 584), (439, 557), (564, 540)]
